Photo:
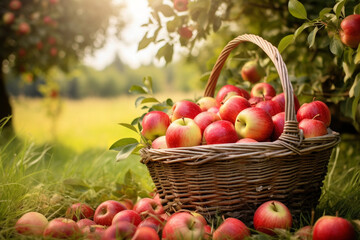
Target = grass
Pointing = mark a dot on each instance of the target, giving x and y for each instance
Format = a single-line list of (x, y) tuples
[(46, 172)]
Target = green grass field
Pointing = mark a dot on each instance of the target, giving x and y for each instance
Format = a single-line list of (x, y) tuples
[(45, 170)]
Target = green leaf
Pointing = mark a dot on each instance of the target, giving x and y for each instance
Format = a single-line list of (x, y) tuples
[(138, 89), (126, 151), (165, 51), (297, 9), (129, 126), (357, 9), (301, 28), (339, 7), (356, 95), (324, 11), (312, 36), (149, 100), (357, 55), (355, 88), (285, 41), (169, 102), (216, 23), (144, 42), (139, 100), (336, 46), (123, 142), (77, 184), (148, 82), (166, 10)]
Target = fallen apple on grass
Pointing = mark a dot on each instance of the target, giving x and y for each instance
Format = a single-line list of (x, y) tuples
[(127, 215), (31, 223), (79, 211), (106, 211), (120, 230), (231, 229), (62, 228), (332, 227), (145, 233), (148, 206)]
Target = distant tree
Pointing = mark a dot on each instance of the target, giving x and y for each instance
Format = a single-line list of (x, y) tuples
[(36, 35)]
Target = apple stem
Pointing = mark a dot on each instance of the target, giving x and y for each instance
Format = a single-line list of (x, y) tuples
[(314, 98), (192, 224), (337, 213), (317, 115), (312, 217), (275, 208), (183, 120)]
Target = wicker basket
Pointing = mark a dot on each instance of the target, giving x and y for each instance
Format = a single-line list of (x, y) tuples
[(234, 179)]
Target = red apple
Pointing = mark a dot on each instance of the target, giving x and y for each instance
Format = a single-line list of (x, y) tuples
[(183, 225), (53, 51), (254, 123), (47, 20), (200, 217), (54, 1), (183, 132), (270, 106), (159, 143), (31, 223), (79, 210), (221, 131), (106, 211), (312, 128), (8, 17), (15, 5), (279, 123), (82, 223), (246, 140), (39, 45), (232, 107), (155, 124), (52, 40), (127, 215), (128, 203), (185, 109), (185, 32), (181, 5), (205, 103), (22, 52), (350, 30), (145, 233), (120, 230), (304, 233), (24, 28), (262, 89), (312, 109), (254, 100), (252, 72), (331, 228), (148, 206), (208, 232), (62, 228), (271, 215), (204, 119), (214, 110), (153, 222), (280, 98), (93, 232), (230, 90), (231, 229)]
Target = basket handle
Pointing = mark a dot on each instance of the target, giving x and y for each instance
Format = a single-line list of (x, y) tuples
[(291, 130)]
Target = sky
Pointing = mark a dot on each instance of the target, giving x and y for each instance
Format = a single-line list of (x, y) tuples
[(138, 12)]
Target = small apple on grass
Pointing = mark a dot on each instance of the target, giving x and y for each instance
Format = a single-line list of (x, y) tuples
[(145, 233), (271, 215), (154, 222), (148, 206), (304, 233), (252, 72), (183, 132), (219, 132), (79, 210), (82, 223), (332, 227), (120, 230), (350, 30), (232, 107), (127, 215), (155, 124), (231, 229), (31, 223), (106, 211), (263, 90), (62, 228), (184, 109)]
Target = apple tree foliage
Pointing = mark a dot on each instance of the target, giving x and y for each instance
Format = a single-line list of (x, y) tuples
[(306, 32), (36, 35)]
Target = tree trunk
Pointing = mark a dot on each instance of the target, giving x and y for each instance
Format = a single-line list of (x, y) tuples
[(5, 107)]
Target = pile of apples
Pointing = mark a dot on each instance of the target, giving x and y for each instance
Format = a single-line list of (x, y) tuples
[(147, 220), (233, 116)]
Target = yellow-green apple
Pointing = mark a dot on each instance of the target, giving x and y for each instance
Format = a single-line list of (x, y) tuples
[(280, 98), (148, 206), (145, 233), (313, 109), (350, 30), (159, 143), (262, 89), (8, 17), (230, 90), (183, 132), (24, 28), (221, 131), (154, 222), (254, 123), (106, 211), (31, 223), (312, 128), (331, 228), (82, 223), (154, 124), (15, 5), (62, 228), (252, 72), (279, 123), (185, 32), (231, 228), (127, 215), (79, 210), (254, 100), (272, 215), (183, 225), (128, 203), (270, 106), (246, 140), (120, 230), (232, 107), (181, 5), (204, 119), (184, 109), (207, 102), (304, 233)]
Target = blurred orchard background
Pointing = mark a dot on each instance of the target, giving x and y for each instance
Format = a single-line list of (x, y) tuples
[(68, 65)]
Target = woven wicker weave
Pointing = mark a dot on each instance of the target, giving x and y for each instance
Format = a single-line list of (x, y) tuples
[(234, 179)]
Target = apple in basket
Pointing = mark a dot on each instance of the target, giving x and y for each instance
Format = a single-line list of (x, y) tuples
[(221, 131), (230, 90), (254, 123), (331, 228), (271, 215), (262, 89), (154, 124), (204, 119), (270, 106), (312, 109), (312, 128), (280, 98), (231, 108), (252, 72), (159, 143), (279, 123), (184, 109), (183, 132), (205, 103), (231, 228)]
